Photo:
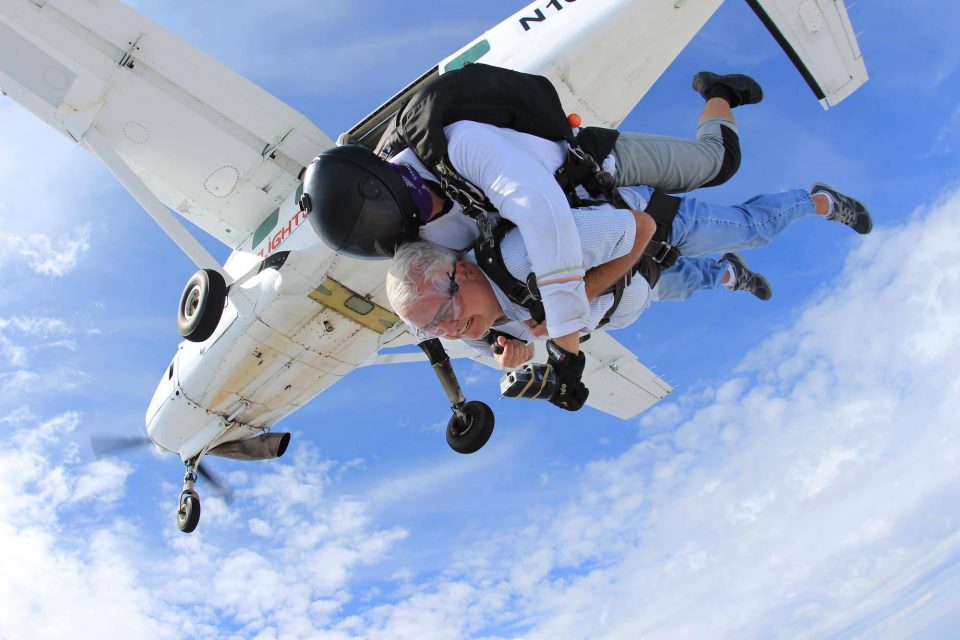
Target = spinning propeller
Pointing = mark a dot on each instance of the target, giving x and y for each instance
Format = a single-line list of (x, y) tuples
[(106, 445)]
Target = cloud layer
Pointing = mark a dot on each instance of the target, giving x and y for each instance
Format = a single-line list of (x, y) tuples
[(810, 494)]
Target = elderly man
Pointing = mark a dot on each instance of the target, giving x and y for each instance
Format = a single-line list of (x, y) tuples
[(442, 292)]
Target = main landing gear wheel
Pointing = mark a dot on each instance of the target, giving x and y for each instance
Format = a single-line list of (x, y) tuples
[(188, 515), (201, 305), (470, 433)]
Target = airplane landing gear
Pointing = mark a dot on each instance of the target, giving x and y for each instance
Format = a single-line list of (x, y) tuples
[(201, 305), (188, 509), (188, 515), (472, 422), (470, 426)]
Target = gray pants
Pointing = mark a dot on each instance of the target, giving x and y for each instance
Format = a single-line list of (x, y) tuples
[(674, 165)]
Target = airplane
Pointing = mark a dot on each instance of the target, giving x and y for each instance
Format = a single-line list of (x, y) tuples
[(285, 317)]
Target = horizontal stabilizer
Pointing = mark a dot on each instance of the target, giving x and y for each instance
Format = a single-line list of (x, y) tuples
[(619, 384), (818, 38)]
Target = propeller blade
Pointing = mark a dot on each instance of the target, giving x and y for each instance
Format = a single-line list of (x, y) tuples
[(104, 445), (215, 484)]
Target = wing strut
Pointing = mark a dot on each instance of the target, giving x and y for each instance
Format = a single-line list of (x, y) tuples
[(150, 203)]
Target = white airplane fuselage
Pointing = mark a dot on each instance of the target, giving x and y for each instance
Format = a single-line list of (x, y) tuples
[(280, 342)]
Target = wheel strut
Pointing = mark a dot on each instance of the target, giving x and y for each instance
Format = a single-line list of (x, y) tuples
[(188, 505), (471, 424), (440, 362)]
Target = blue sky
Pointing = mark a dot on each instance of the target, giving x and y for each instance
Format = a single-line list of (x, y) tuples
[(801, 482)]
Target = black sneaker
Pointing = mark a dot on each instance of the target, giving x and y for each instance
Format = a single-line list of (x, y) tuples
[(735, 88), (847, 210), (747, 280)]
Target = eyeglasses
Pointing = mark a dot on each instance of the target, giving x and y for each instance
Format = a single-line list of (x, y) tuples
[(449, 310)]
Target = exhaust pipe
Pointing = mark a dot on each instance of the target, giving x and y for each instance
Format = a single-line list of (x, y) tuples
[(263, 447)]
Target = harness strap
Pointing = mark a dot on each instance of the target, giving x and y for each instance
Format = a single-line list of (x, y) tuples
[(617, 290), (581, 166), (490, 260), (475, 204), (648, 270), (659, 254)]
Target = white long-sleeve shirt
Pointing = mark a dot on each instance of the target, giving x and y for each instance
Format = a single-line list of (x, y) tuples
[(516, 172)]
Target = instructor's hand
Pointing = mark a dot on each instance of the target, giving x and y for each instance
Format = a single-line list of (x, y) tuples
[(538, 329), (571, 394)]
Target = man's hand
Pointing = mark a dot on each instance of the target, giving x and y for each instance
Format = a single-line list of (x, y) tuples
[(538, 329), (570, 342), (571, 394), (514, 352)]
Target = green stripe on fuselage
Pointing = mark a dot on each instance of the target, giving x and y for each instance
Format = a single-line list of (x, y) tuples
[(270, 222), (265, 227), (472, 54)]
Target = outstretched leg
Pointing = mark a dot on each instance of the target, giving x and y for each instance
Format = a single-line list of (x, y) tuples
[(690, 275), (701, 228), (677, 165)]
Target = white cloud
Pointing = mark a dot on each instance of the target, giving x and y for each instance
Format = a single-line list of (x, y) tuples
[(44, 183), (46, 256), (23, 382), (811, 495), (101, 481), (71, 561), (39, 331), (36, 326)]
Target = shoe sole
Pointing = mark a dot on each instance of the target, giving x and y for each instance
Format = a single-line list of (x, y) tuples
[(703, 80)]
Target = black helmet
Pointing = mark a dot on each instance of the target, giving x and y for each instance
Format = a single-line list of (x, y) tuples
[(358, 204)]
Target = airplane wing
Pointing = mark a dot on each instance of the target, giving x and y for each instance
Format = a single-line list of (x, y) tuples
[(208, 143), (619, 383), (818, 38), (604, 55)]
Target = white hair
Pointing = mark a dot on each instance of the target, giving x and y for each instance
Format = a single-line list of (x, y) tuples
[(418, 269)]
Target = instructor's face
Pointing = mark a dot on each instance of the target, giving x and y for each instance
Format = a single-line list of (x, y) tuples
[(468, 311)]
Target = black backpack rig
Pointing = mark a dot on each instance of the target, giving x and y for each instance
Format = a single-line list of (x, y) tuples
[(529, 104)]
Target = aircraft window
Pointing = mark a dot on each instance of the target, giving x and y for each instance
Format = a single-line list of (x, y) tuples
[(358, 305), (170, 372)]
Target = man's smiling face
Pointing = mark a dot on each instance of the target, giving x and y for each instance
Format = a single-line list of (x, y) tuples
[(468, 310)]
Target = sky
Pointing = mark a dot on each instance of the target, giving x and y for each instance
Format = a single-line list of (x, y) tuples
[(802, 481)]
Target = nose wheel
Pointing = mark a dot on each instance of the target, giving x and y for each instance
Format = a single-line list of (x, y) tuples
[(188, 508), (188, 515), (470, 427)]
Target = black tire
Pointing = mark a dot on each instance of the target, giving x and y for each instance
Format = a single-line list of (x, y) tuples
[(201, 305), (188, 515), (470, 437)]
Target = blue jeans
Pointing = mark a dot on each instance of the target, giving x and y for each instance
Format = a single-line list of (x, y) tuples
[(688, 276), (701, 228)]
